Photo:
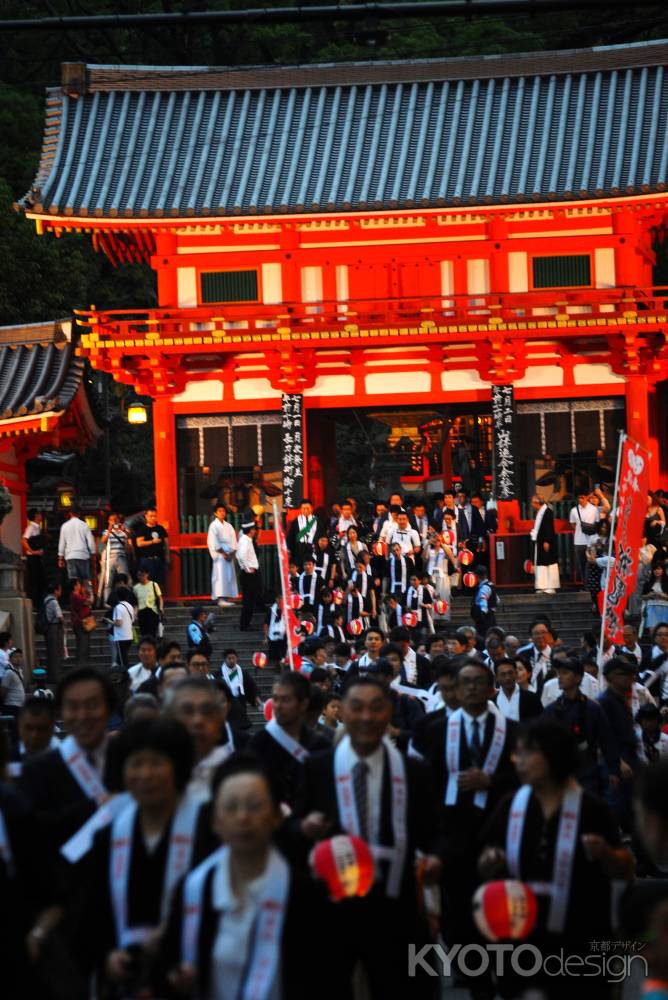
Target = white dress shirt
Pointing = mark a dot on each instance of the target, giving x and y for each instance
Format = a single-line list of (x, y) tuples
[(510, 707), (138, 674), (232, 941), (246, 555), (408, 539), (468, 724), (374, 779), (76, 540)]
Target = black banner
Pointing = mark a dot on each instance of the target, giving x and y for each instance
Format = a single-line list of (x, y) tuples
[(503, 421), (293, 449)]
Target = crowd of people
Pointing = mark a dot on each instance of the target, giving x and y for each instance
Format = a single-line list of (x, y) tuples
[(153, 844)]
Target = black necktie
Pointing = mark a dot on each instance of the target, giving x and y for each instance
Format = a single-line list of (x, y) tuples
[(476, 746), (360, 772)]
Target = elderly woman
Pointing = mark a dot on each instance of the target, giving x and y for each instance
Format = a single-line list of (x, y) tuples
[(563, 842), (136, 861)]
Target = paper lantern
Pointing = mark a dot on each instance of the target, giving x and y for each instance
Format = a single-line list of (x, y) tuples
[(441, 606), (260, 660), (470, 579), (303, 628), (504, 910), (345, 865), (296, 601), (528, 566), (338, 596), (268, 709), (466, 557), (410, 619), (379, 549), (356, 626), (448, 537)]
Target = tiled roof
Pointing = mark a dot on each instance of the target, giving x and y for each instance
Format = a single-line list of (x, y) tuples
[(151, 142), (39, 371)]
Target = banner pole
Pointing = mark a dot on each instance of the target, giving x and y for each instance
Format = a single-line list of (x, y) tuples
[(613, 524), (280, 542)]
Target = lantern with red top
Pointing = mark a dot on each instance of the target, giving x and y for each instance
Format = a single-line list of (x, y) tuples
[(345, 865), (470, 580), (466, 557), (505, 910)]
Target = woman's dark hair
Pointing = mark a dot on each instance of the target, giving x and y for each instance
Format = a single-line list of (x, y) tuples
[(556, 743), (244, 763), (663, 580), (166, 737), (657, 627)]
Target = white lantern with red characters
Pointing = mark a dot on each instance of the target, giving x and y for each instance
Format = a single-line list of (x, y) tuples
[(260, 660), (441, 606), (470, 579), (505, 910), (380, 548), (345, 865), (356, 626)]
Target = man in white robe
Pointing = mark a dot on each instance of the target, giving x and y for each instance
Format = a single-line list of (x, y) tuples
[(222, 543)]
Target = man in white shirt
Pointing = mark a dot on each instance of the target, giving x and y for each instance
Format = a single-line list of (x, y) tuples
[(148, 661), (584, 513), (222, 543), (251, 581), (405, 536), (76, 547)]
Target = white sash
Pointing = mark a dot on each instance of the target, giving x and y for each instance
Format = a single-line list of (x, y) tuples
[(452, 747), (361, 582), (82, 841), (322, 570), (262, 965), (284, 739), (178, 861), (236, 686), (404, 573), (311, 591), (5, 846), (276, 624), (85, 776), (560, 886), (303, 521), (345, 799)]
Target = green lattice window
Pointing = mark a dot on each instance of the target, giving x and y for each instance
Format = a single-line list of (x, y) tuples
[(562, 272), (229, 286)]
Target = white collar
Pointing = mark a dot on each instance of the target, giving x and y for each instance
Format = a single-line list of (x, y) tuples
[(222, 896), (469, 719), (514, 696), (374, 759)]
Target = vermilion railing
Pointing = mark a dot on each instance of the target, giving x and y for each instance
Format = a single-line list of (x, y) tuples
[(293, 319)]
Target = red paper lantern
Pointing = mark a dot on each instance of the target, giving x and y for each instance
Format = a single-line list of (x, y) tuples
[(505, 910), (379, 549), (296, 601), (466, 557), (441, 606), (470, 579), (338, 596), (260, 660), (345, 865), (356, 626), (268, 709), (447, 537), (303, 628), (528, 566), (410, 619)]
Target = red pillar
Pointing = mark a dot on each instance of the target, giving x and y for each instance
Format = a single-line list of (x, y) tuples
[(166, 498), (637, 420)]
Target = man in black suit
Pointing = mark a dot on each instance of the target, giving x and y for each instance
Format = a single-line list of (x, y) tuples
[(365, 787), (470, 757), (544, 537), (303, 533), (65, 786), (511, 700), (286, 742)]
